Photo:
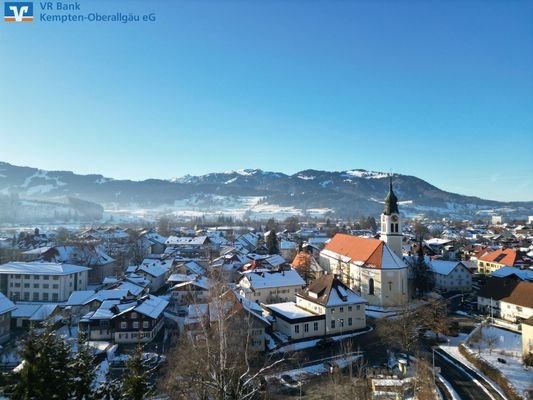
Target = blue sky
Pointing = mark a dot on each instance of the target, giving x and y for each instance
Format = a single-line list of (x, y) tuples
[(440, 90)]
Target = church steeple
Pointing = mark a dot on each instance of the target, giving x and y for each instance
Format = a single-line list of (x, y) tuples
[(391, 228), (391, 201)]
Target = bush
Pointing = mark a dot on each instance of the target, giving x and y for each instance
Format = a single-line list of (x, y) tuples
[(491, 372), (528, 360)]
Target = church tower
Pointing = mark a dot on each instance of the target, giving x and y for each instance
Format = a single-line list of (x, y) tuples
[(391, 228)]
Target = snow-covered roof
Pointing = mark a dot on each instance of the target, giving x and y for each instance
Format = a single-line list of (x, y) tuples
[(290, 310), (181, 277), (443, 267), (276, 260), (268, 279), (194, 267), (79, 297), (33, 312), (6, 305), (524, 274), (40, 268), (152, 306), (186, 241)]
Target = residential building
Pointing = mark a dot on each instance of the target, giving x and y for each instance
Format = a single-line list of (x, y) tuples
[(506, 298), (497, 259), (527, 336), (6, 307), (41, 281), (326, 307), (451, 275), (267, 286), (126, 321)]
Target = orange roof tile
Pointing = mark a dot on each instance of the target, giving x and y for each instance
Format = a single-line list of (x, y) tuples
[(504, 257), (357, 248)]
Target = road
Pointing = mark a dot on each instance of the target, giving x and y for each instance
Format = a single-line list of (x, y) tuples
[(462, 382)]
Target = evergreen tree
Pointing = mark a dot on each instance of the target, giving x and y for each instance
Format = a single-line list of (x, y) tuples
[(272, 243), (424, 280), (136, 384), (46, 373), (82, 365)]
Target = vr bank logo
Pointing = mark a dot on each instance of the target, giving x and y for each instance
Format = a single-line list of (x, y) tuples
[(18, 11)]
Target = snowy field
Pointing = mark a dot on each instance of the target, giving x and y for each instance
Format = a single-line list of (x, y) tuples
[(507, 346)]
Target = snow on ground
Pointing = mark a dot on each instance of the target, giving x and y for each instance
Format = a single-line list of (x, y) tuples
[(508, 346), (270, 342), (310, 371), (452, 350)]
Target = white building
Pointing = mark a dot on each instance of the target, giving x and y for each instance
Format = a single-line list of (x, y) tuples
[(326, 307), (451, 275), (371, 267), (268, 286), (41, 281)]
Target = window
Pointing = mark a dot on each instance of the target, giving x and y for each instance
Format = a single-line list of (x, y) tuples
[(146, 324), (45, 296), (36, 277), (55, 297), (55, 286), (135, 324), (315, 326), (134, 315), (297, 329), (333, 311), (17, 284), (349, 308), (358, 307), (341, 309), (371, 286), (123, 325), (46, 285), (341, 322), (349, 322), (55, 278), (26, 295), (26, 285), (306, 328), (46, 277), (35, 296), (36, 286), (332, 324)]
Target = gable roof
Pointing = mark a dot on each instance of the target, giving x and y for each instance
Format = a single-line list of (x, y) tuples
[(40, 268), (328, 290), (6, 305), (502, 256), (373, 253), (521, 295), (497, 288), (444, 267), (269, 279)]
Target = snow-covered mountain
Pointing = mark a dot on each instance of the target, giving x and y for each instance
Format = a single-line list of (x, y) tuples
[(345, 193)]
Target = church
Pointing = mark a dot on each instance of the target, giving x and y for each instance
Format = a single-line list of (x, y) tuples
[(374, 268)]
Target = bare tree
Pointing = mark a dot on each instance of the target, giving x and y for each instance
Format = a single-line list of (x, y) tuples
[(435, 316), (424, 380), (216, 358), (401, 332), (490, 341)]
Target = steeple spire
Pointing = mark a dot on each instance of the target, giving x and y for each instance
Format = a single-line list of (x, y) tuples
[(391, 201)]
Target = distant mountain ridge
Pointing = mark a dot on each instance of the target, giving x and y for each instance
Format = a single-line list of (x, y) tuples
[(343, 193)]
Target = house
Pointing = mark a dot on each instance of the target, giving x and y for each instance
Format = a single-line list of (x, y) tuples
[(41, 281), (195, 290), (94, 257), (326, 307), (506, 272), (497, 259), (369, 267), (506, 298), (156, 271), (306, 265), (33, 315), (527, 336), (199, 246), (451, 275), (268, 286), (126, 321), (6, 307), (155, 241)]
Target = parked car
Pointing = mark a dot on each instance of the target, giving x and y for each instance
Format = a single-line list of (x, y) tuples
[(501, 360)]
